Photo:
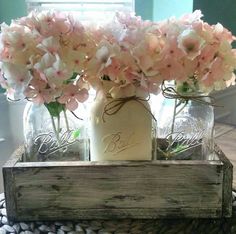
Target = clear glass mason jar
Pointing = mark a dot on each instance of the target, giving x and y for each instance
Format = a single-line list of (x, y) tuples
[(125, 134), (48, 138), (185, 127)]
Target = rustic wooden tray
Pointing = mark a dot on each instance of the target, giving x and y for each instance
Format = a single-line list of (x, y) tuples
[(117, 189)]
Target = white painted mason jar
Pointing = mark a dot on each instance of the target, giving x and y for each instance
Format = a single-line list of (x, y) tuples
[(124, 135)]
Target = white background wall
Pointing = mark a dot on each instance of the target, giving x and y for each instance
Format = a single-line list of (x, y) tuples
[(11, 129)]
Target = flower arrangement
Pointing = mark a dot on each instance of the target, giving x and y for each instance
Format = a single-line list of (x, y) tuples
[(52, 59), (42, 60), (124, 49), (139, 55), (42, 57), (197, 54)]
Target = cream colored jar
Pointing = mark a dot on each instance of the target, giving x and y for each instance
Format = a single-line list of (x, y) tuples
[(124, 135)]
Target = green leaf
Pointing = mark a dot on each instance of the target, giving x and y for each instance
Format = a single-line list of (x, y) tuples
[(71, 79), (76, 133), (179, 148), (55, 108), (183, 88)]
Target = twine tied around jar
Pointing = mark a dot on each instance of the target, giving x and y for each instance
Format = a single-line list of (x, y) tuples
[(172, 93), (115, 105)]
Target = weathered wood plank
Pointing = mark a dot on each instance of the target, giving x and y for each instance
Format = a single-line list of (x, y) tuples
[(16, 157), (158, 189), (227, 145), (9, 182), (227, 183), (111, 214), (114, 163), (10, 192), (117, 189)]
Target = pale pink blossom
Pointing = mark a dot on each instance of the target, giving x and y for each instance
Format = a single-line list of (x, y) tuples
[(147, 53), (215, 72), (222, 33), (48, 55), (75, 60), (191, 18), (171, 69), (46, 61), (128, 19), (102, 58), (172, 50), (190, 43), (51, 23), (41, 52), (57, 73), (207, 55), (37, 92), (50, 45), (18, 77), (72, 95)]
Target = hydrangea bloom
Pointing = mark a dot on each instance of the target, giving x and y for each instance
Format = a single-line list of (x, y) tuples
[(35, 56), (124, 54), (46, 51), (200, 53)]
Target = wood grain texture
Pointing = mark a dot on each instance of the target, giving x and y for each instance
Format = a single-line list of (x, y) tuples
[(226, 142), (116, 189), (227, 183), (15, 157), (10, 192), (222, 129), (9, 182)]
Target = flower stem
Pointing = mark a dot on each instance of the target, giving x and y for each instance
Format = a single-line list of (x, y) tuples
[(184, 105), (55, 131), (175, 113), (66, 120), (173, 122), (58, 124)]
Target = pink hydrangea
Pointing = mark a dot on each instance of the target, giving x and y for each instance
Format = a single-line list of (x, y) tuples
[(41, 55), (72, 95), (200, 51)]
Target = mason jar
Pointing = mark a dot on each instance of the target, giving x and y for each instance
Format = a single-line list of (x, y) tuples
[(185, 127), (120, 129), (54, 138)]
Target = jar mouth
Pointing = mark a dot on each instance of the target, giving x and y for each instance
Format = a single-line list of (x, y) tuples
[(111, 90), (187, 91), (193, 93)]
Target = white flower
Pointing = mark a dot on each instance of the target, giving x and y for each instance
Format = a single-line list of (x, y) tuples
[(190, 43), (57, 73), (192, 17), (18, 77), (103, 57), (46, 61), (49, 44)]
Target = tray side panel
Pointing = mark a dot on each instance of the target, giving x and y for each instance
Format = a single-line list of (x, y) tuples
[(10, 194), (227, 183), (9, 183), (108, 192)]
